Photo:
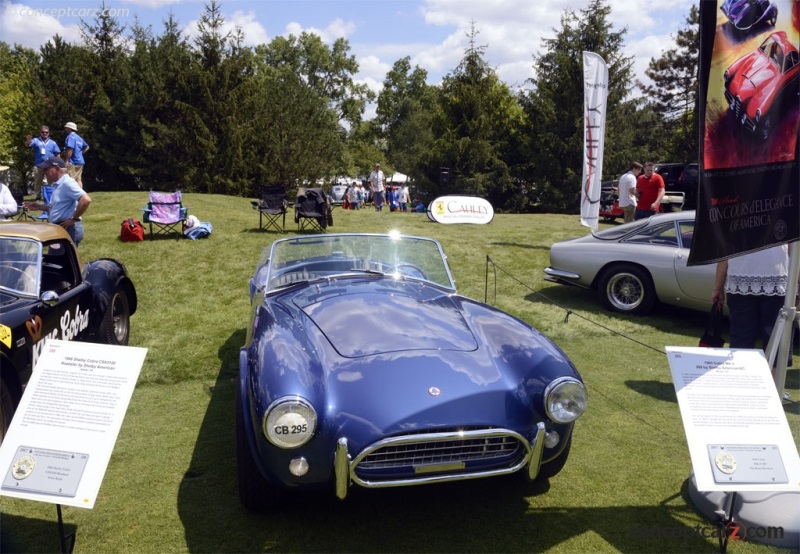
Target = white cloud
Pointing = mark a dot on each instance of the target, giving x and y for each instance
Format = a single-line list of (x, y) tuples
[(338, 28), (152, 3), (372, 71), (513, 31), (32, 27), (254, 32)]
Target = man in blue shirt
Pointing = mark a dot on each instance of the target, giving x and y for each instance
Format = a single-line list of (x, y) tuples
[(68, 202), (43, 147), (74, 149)]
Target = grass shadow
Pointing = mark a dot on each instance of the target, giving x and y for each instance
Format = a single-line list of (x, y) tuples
[(664, 318), (19, 533), (654, 389), (470, 516), (542, 247)]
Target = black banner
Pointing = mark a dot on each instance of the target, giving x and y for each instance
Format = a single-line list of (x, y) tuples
[(749, 182)]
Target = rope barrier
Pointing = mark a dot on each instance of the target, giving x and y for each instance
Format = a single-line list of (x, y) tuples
[(568, 311)]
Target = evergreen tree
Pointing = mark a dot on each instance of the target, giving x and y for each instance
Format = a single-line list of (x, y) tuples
[(477, 113), (555, 105), (218, 84), (674, 92), (104, 123), (163, 124)]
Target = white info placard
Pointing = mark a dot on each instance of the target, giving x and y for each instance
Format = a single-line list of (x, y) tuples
[(738, 436), (64, 430)]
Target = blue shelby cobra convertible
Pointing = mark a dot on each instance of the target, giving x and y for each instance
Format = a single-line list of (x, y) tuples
[(363, 366)]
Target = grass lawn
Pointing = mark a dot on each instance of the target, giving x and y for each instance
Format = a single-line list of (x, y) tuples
[(171, 482)]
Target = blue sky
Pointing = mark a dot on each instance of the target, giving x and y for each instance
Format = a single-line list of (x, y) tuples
[(432, 32)]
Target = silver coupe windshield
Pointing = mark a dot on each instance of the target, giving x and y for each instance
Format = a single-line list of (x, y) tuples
[(318, 257)]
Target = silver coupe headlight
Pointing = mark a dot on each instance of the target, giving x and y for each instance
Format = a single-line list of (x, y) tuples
[(290, 422), (565, 399)]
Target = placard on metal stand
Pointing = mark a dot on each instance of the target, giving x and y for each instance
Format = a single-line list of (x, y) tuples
[(67, 541), (761, 509)]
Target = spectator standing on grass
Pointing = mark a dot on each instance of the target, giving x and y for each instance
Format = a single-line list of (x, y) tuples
[(404, 198), (649, 191), (394, 199), (74, 149), (355, 194), (754, 285), (68, 201), (627, 191), (43, 147), (377, 184)]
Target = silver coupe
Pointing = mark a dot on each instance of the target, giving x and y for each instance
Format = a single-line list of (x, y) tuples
[(633, 266)]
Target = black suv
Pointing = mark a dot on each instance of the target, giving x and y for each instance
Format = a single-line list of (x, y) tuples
[(680, 178), (670, 173), (687, 184)]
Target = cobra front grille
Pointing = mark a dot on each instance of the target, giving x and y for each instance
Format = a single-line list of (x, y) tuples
[(449, 452), (737, 107)]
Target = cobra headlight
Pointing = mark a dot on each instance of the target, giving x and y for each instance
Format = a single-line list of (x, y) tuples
[(290, 422), (565, 399)]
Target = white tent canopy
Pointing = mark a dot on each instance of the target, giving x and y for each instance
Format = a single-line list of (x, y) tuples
[(398, 178)]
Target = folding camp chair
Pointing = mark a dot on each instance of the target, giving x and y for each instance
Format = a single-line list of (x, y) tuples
[(166, 211), (271, 208), (24, 213), (312, 211)]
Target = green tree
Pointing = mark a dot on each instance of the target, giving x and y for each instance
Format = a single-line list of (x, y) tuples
[(162, 123), (218, 85), (296, 132), (19, 105), (104, 122), (327, 71), (404, 116), (477, 114), (674, 92), (555, 105)]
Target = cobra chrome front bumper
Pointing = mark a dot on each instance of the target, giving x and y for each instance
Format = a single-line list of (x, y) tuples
[(345, 465)]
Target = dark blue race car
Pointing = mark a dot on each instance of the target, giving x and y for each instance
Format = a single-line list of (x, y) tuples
[(744, 14), (364, 367)]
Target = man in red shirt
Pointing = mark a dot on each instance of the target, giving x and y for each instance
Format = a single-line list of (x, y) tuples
[(649, 192)]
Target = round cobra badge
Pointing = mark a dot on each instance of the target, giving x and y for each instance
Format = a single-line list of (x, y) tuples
[(725, 462), (23, 467)]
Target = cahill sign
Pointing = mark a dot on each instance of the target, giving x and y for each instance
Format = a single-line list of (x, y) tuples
[(460, 209)]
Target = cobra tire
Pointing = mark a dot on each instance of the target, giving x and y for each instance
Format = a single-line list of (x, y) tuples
[(626, 288), (255, 492), (116, 326)]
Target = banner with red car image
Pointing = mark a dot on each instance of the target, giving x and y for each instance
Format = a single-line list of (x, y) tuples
[(749, 183)]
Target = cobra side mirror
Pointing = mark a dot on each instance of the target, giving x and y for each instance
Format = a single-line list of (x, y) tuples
[(49, 297)]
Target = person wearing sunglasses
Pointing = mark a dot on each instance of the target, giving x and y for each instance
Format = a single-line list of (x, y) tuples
[(43, 147)]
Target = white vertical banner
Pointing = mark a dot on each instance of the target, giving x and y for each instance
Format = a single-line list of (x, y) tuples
[(595, 92)]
